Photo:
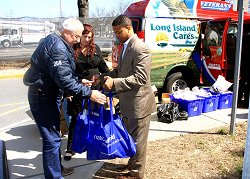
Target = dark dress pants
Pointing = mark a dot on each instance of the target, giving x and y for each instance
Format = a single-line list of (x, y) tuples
[(138, 128)]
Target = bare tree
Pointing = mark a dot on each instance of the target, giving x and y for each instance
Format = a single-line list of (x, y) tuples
[(102, 18), (121, 6), (99, 12), (83, 8)]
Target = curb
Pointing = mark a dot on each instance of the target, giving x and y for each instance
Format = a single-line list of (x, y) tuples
[(12, 73)]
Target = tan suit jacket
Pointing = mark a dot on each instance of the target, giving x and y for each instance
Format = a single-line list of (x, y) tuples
[(132, 80)]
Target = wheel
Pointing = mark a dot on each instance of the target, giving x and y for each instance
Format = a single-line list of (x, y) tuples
[(6, 44), (175, 82)]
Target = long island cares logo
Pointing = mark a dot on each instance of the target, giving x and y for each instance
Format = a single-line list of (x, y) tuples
[(161, 39), (176, 34)]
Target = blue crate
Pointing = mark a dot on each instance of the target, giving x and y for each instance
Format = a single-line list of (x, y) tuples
[(216, 103), (173, 99), (225, 100), (193, 107), (210, 103), (217, 97)]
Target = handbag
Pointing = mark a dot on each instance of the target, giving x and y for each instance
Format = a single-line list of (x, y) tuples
[(79, 141), (108, 140)]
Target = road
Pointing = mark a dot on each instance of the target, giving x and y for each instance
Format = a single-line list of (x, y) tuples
[(23, 52), (14, 106)]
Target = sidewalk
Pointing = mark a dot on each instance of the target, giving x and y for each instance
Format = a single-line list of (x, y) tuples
[(24, 144)]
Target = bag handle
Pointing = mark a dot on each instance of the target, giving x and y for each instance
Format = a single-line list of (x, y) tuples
[(96, 107), (83, 102), (111, 106), (101, 108)]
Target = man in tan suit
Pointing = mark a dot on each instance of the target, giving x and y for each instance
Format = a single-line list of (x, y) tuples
[(131, 80)]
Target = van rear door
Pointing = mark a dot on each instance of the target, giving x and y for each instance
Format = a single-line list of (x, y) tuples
[(214, 51)]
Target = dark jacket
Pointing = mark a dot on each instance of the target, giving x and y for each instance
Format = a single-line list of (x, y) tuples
[(86, 67), (53, 68)]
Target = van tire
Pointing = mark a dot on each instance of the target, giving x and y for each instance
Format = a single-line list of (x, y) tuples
[(175, 82)]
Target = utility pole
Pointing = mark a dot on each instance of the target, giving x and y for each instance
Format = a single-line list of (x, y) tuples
[(60, 12), (246, 164), (237, 64)]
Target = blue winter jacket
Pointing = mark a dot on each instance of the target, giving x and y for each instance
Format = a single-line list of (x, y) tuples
[(53, 68)]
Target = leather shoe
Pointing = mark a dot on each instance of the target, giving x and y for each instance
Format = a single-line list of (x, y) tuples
[(67, 171), (123, 168), (126, 176)]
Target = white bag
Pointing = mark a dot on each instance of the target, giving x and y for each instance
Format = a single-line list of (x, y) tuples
[(221, 85)]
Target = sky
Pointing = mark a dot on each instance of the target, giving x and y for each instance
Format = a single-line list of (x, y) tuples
[(48, 8)]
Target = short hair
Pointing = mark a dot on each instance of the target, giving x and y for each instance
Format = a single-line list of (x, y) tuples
[(122, 20), (72, 24)]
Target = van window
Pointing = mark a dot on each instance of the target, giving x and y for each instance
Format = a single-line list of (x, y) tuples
[(13, 32), (232, 29), (137, 24), (213, 35), (6, 32)]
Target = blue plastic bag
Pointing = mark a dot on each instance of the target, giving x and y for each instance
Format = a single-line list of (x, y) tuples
[(80, 134), (108, 140), (79, 141)]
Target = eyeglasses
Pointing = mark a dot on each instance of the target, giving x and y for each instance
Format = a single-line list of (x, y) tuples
[(78, 37)]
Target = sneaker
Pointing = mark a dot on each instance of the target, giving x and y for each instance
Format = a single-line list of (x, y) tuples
[(67, 171)]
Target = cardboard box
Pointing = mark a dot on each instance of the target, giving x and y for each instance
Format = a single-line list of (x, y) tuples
[(165, 98)]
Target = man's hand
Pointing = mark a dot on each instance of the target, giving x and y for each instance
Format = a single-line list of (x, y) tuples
[(98, 97), (109, 82), (87, 82)]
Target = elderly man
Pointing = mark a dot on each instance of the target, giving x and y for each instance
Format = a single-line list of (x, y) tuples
[(52, 73)]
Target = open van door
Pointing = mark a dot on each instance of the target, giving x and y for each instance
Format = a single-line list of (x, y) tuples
[(214, 49)]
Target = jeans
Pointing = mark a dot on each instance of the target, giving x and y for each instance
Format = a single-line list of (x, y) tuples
[(45, 109)]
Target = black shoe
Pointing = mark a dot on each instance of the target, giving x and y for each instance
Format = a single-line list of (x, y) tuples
[(68, 155), (126, 176), (67, 171), (123, 168)]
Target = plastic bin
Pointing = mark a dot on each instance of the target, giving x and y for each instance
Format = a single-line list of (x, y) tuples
[(173, 99), (210, 103), (193, 107), (225, 100), (216, 100)]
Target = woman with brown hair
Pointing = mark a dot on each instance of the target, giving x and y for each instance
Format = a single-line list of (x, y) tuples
[(89, 62)]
